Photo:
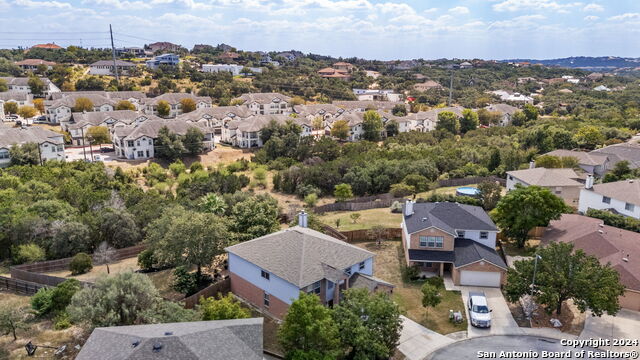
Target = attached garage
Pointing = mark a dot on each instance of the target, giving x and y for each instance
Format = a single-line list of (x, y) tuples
[(480, 278)]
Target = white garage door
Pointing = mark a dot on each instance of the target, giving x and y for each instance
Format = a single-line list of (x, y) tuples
[(479, 278)]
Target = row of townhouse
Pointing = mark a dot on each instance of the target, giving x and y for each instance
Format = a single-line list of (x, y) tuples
[(19, 97), (59, 109), (22, 84), (82, 122), (50, 143), (138, 140), (245, 133), (150, 105)]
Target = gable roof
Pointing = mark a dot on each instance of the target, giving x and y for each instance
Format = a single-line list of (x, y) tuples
[(23, 81), (174, 98), (619, 152), (298, 254), (468, 251), (263, 98), (584, 158), (609, 244), (547, 177), (447, 216), (98, 117), (110, 63), (503, 108), (34, 62), (14, 95), (150, 128), (314, 109), (257, 122), (212, 340), (70, 100), (351, 105), (11, 136), (625, 190), (217, 112)]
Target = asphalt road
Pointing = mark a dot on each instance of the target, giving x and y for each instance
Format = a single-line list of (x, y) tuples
[(490, 347)]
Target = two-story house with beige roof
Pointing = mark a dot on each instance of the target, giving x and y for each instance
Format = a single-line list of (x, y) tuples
[(451, 239), (150, 105), (619, 197), (564, 183), (266, 103)]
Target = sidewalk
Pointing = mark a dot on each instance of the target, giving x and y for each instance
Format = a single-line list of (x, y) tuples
[(417, 342)]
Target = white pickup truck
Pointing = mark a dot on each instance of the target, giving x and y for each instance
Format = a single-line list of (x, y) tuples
[(479, 312)]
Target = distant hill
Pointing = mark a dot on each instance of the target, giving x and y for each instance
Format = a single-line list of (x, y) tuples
[(586, 62)]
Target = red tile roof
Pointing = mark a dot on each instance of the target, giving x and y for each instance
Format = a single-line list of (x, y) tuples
[(47, 46)]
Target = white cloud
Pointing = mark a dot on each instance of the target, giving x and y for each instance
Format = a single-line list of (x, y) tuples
[(43, 4), (593, 7), (591, 18), (521, 5), (121, 4), (459, 10), (625, 17), (431, 10), (518, 22)]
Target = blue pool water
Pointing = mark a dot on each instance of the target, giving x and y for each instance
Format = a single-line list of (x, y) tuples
[(467, 191)]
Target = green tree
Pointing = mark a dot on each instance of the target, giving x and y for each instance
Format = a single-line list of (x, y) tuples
[(188, 238), (564, 274), (530, 112), (548, 162), (125, 105), (430, 295), (254, 217), (448, 121), (343, 192), (372, 125), (399, 110), (392, 128), (310, 200), (212, 203), (354, 217), (13, 317), (369, 324), (39, 105), (518, 118), (469, 120), (168, 145), (98, 135), (524, 208), (27, 111), (340, 129), (3, 85), (83, 104), (188, 105), (193, 141), (223, 308), (28, 253), (589, 137), (309, 330), (163, 108), (117, 227), (25, 154), (419, 182), (80, 264), (490, 194), (36, 85), (10, 107)]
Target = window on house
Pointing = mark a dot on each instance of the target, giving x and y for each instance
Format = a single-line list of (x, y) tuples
[(315, 288), (423, 241), (347, 271), (510, 177), (428, 264), (264, 274), (140, 153), (4, 154), (138, 143), (435, 241), (629, 207), (361, 266), (150, 142), (460, 233), (606, 200), (129, 142), (484, 235), (558, 190), (266, 299)]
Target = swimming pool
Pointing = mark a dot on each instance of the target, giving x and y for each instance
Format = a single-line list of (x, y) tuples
[(467, 191)]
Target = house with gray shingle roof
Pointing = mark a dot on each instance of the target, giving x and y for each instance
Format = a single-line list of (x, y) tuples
[(592, 163), (266, 103), (81, 122), (245, 133), (564, 183), (270, 272), (217, 116), (22, 84), (51, 143), (628, 151), (620, 197), (150, 105), (198, 340), (445, 237)]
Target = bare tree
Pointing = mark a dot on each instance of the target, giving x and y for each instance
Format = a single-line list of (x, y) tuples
[(104, 255), (378, 233)]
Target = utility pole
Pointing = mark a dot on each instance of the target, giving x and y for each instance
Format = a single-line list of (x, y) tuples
[(84, 150), (113, 53), (451, 89), (535, 269)]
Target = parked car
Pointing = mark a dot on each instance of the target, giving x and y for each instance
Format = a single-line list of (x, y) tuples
[(40, 120), (479, 311), (11, 117), (97, 158), (106, 149)]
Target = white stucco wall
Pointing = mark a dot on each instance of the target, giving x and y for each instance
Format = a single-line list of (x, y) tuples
[(589, 199)]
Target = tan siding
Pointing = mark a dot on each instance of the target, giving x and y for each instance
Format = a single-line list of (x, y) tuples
[(630, 300), (447, 241)]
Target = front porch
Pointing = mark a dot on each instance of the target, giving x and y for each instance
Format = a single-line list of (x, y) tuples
[(427, 269)]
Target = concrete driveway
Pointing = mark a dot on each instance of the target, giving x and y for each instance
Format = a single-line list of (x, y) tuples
[(625, 325), (416, 341)]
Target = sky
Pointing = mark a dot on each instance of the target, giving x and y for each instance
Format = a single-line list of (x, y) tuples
[(371, 29)]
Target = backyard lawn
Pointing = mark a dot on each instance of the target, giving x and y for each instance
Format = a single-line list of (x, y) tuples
[(368, 219), (387, 266)]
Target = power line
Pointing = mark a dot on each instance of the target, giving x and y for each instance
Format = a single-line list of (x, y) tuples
[(133, 36)]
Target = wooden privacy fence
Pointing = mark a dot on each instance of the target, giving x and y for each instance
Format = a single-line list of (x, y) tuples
[(356, 206), (365, 234), (221, 287), (34, 272), (19, 286), (471, 180)]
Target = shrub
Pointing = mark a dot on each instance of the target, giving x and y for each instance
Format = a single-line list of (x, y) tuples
[(188, 283), (80, 264), (222, 308), (62, 294), (177, 167), (311, 200), (41, 301), (28, 253), (195, 166), (402, 190), (436, 281), (146, 260), (409, 273), (396, 207), (62, 321)]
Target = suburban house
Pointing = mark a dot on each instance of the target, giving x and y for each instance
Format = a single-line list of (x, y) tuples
[(130, 51), (216, 116), (19, 97), (512, 96), (619, 197), (51, 143), (270, 272), (164, 59), (81, 122), (213, 340), (376, 95), (266, 103), (234, 69), (60, 110), (505, 110), (354, 120), (620, 152), (163, 46), (32, 64), (22, 84), (312, 111), (427, 85), (150, 105), (609, 244), (245, 133), (361, 106), (137, 141), (564, 183), (229, 56), (50, 46), (334, 73), (105, 67), (452, 238), (592, 163)]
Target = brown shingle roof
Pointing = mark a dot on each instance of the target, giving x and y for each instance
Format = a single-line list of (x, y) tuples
[(607, 243), (34, 62)]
